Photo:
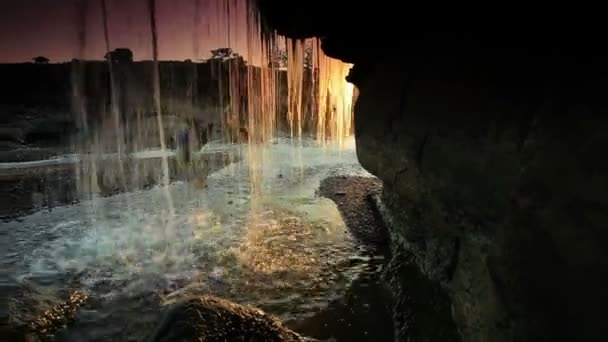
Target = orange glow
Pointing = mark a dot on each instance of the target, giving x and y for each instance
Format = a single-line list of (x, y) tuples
[(335, 99), (333, 95)]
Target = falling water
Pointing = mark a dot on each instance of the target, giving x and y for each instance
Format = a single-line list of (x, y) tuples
[(114, 108), (86, 171), (158, 110), (332, 95), (258, 99), (295, 80), (318, 98), (269, 110)]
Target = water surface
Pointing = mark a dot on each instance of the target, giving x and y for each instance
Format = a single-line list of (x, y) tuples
[(257, 234)]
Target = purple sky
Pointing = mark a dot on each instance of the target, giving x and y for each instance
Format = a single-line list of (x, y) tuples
[(29, 28)]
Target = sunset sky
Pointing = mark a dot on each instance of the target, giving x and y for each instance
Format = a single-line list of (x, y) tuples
[(29, 28)]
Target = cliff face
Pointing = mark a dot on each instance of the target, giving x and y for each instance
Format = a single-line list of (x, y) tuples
[(47, 105), (490, 153), (497, 191)]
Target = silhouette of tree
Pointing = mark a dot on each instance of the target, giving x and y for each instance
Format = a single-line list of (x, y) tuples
[(120, 55), (223, 53), (41, 60)]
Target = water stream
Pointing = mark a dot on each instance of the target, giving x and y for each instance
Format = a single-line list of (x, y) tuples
[(292, 255)]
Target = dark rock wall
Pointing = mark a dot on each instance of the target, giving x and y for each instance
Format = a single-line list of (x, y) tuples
[(490, 146), (498, 192), (41, 105)]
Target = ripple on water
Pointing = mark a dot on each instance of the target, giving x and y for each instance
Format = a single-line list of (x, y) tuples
[(290, 255)]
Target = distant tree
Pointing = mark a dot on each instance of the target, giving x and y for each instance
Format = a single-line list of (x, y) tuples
[(41, 60), (120, 55), (223, 53)]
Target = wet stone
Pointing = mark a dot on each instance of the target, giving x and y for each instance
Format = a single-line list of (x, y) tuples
[(209, 318)]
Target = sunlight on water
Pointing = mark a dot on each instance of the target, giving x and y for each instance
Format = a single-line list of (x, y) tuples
[(293, 249)]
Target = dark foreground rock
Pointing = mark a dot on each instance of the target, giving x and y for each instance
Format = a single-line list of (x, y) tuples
[(212, 319), (364, 312), (418, 309), (39, 314), (490, 154), (352, 196)]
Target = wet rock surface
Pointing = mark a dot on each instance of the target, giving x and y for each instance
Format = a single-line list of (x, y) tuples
[(490, 158), (365, 313), (417, 307), (421, 309), (212, 319), (43, 129), (36, 188), (480, 203), (352, 196), (496, 206), (43, 187), (39, 314)]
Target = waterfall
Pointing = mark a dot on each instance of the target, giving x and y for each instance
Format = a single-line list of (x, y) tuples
[(257, 86), (114, 107), (158, 110)]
